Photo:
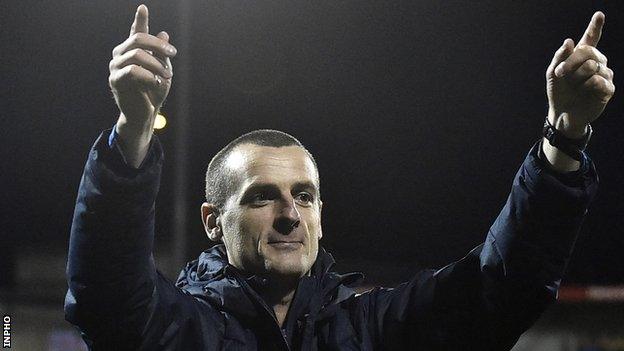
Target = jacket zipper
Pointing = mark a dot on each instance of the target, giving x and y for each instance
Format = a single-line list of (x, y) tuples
[(268, 310)]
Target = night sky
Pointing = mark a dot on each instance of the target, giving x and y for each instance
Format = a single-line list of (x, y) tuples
[(419, 114)]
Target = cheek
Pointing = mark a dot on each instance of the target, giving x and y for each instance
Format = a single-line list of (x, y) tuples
[(319, 228), (232, 238), (253, 224), (257, 217), (314, 225)]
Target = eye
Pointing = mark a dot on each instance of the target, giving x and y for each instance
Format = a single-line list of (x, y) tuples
[(304, 198), (259, 199)]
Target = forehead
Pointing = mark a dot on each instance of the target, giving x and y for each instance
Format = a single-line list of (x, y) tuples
[(254, 163)]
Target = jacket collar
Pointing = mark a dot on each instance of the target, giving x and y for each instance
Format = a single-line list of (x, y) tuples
[(210, 277)]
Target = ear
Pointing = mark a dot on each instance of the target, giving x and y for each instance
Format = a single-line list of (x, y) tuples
[(212, 221)]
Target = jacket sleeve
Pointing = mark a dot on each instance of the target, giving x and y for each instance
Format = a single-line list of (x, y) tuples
[(489, 298), (116, 296)]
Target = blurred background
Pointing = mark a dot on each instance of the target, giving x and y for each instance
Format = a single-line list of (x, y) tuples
[(419, 113)]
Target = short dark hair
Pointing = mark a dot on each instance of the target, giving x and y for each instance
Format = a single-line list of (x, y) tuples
[(219, 182)]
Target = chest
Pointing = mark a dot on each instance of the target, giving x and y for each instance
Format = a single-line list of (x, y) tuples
[(340, 331)]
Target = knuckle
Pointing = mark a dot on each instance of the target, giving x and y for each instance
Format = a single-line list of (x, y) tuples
[(605, 86), (596, 81), (607, 73), (589, 66), (598, 55), (602, 87), (127, 73), (132, 71), (136, 38), (136, 53), (117, 80), (590, 84), (603, 59)]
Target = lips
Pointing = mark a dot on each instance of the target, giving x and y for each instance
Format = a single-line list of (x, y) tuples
[(285, 241), (285, 244)]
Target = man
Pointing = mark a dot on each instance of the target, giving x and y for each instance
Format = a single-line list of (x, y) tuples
[(270, 286)]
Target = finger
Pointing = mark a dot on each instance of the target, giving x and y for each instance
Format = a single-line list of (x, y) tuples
[(142, 58), (600, 87), (146, 42), (580, 54), (593, 32), (141, 21), (164, 60), (588, 69), (561, 54), (132, 75), (163, 35)]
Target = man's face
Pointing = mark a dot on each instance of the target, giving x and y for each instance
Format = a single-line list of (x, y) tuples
[(271, 223)]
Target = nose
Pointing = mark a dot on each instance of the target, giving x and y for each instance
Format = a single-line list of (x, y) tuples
[(288, 218)]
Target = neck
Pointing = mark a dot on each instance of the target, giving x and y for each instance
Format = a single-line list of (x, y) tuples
[(279, 295)]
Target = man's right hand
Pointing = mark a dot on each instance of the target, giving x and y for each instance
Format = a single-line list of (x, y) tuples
[(140, 78)]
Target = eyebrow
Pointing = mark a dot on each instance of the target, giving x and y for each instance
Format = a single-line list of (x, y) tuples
[(255, 187), (308, 185)]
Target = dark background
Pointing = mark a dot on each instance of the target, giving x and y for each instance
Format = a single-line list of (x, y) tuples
[(419, 113)]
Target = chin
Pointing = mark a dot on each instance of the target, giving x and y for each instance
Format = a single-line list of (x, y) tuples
[(285, 265), (287, 261)]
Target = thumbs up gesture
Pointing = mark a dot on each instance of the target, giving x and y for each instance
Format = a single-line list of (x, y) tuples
[(578, 82), (140, 78)]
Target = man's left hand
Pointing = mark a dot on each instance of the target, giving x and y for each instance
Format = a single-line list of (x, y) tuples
[(578, 82)]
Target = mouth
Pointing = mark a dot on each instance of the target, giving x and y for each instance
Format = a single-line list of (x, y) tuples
[(285, 244)]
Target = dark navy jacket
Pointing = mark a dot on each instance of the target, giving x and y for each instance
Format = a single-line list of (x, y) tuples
[(484, 301)]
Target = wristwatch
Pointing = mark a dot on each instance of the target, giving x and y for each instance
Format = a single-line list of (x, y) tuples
[(571, 147)]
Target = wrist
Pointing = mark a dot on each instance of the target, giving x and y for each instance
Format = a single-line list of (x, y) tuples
[(134, 140), (134, 132), (557, 159), (566, 125)]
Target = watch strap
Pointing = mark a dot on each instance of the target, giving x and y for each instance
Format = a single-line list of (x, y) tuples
[(571, 147)]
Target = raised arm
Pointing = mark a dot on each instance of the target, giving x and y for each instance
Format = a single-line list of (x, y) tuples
[(490, 297), (114, 288)]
